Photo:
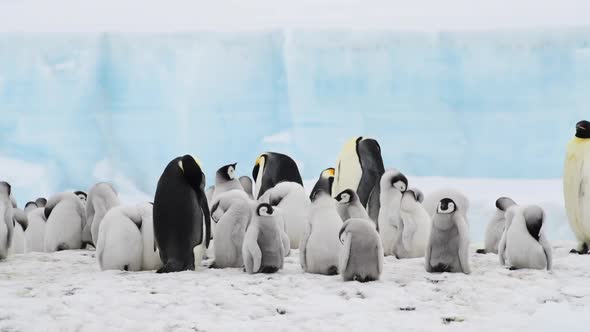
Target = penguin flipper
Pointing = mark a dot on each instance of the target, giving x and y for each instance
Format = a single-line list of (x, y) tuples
[(374, 204), (206, 217), (251, 251), (345, 253), (548, 251), (464, 244), (303, 246)]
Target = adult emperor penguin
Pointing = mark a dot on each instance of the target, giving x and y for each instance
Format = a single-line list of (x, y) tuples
[(362, 255), (182, 224), (119, 244), (101, 198), (524, 242), (6, 219), (319, 250), (324, 183), (263, 250), (576, 186), (495, 227), (448, 246), (35, 233), (414, 229), (231, 212), (393, 185), (359, 167), (349, 206), (294, 203), (271, 168), (66, 215)]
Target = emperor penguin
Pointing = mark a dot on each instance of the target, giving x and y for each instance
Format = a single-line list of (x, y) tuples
[(247, 185), (448, 246), (262, 249), (524, 243), (393, 185), (361, 257), (41, 202), (182, 224), (349, 206), (414, 229), (576, 186), (82, 196), (119, 245), (433, 199), (66, 215), (35, 233), (294, 203), (495, 227), (101, 198), (359, 167), (271, 168), (231, 212), (6, 219), (324, 183), (150, 254), (319, 250), (18, 245), (226, 180)]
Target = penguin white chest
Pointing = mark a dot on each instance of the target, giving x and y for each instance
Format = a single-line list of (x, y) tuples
[(576, 187)]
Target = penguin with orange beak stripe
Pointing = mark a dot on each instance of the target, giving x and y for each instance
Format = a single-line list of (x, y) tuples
[(271, 168), (324, 183)]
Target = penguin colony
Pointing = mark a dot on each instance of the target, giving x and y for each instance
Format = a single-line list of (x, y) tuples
[(357, 213)]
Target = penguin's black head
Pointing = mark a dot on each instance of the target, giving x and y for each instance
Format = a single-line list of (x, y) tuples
[(227, 172), (400, 182), (41, 201), (193, 172), (5, 188), (345, 197), (81, 195), (446, 206), (257, 165), (264, 210), (503, 203), (31, 204), (583, 129)]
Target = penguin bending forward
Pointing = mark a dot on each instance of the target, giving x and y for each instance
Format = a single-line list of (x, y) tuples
[(495, 227), (576, 186), (324, 182), (101, 198), (271, 168), (182, 225), (66, 215), (524, 243)]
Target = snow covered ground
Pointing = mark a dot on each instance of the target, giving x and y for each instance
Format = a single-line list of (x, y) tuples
[(66, 291)]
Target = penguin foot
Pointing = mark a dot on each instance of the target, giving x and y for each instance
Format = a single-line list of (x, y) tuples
[(332, 270), (512, 268), (481, 251), (268, 269), (584, 250), (360, 278)]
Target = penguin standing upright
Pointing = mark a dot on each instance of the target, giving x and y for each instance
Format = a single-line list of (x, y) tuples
[(6, 219), (35, 233), (349, 206), (226, 180), (262, 249), (393, 185), (101, 198), (360, 167), (319, 250), (414, 228), (182, 224), (271, 168), (576, 186), (362, 255)]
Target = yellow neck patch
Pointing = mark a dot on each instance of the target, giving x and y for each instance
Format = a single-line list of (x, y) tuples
[(196, 161)]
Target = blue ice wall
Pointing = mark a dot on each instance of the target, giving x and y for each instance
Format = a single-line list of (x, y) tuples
[(467, 104)]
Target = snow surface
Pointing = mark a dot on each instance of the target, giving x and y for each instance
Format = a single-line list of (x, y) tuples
[(66, 291)]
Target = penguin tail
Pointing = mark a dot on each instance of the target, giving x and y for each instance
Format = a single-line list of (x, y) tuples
[(62, 246), (332, 270), (481, 251)]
